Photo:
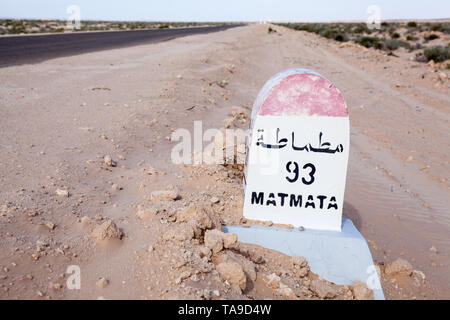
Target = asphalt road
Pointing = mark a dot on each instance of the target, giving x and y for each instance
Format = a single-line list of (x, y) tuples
[(36, 48)]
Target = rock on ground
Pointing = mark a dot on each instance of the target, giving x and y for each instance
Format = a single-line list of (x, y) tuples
[(400, 267), (323, 289), (62, 192), (299, 262), (362, 291), (229, 239), (86, 220), (145, 213), (164, 195), (109, 161), (213, 240), (233, 273), (102, 283), (300, 266), (197, 214), (107, 230), (247, 265)]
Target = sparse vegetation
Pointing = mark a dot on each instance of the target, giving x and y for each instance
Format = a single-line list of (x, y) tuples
[(437, 53), (432, 36), (393, 44), (16, 26), (412, 36)]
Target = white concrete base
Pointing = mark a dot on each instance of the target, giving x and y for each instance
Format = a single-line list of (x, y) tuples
[(339, 257)]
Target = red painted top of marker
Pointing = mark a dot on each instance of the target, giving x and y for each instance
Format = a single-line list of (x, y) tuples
[(300, 92)]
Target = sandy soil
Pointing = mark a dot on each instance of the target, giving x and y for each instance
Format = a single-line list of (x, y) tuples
[(61, 117)]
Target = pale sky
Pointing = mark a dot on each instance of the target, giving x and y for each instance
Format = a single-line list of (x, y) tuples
[(225, 10)]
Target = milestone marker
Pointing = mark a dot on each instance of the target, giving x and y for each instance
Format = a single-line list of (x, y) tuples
[(297, 152), (295, 172)]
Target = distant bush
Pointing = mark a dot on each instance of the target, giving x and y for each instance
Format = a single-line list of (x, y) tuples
[(415, 47), (270, 30), (395, 35), (411, 38), (412, 24), (369, 42), (420, 57), (437, 53), (393, 44), (362, 28), (432, 36), (436, 27), (341, 37), (443, 27)]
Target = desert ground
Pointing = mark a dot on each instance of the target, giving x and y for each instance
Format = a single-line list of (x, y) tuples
[(140, 227)]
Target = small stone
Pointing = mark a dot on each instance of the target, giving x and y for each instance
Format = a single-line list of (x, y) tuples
[(233, 273), (62, 193), (194, 213), (323, 289), (107, 230), (50, 225), (433, 249), (205, 252), (299, 261), (410, 159), (214, 240), (419, 277), (109, 161), (216, 293), (255, 257), (443, 76), (229, 239), (399, 266), (102, 283), (164, 195), (303, 272), (55, 286), (215, 200), (116, 187), (362, 291), (145, 213), (86, 220)]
